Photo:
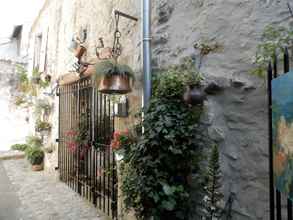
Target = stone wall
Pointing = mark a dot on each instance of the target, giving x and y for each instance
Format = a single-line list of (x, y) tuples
[(237, 115), (59, 21)]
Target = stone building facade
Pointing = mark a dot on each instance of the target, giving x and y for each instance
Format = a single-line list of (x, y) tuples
[(14, 127), (237, 114)]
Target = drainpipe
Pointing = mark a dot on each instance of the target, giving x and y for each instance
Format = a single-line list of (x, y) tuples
[(147, 69)]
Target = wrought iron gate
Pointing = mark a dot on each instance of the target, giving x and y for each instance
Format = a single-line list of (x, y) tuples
[(280, 205), (85, 160)]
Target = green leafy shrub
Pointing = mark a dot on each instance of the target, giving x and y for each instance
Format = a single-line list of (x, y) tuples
[(34, 141), (213, 194), (172, 82), (20, 147), (158, 164), (35, 155)]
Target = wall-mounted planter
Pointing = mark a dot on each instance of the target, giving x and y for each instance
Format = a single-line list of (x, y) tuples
[(79, 52), (194, 95), (113, 78)]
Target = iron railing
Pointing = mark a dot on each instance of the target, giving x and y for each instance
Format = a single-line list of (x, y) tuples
[(85, 160)]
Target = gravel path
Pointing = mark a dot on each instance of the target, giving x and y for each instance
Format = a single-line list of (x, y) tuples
[(42, 197)]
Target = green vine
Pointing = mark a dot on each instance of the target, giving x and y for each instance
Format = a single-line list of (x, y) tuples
[(157, 166), (274, 40)]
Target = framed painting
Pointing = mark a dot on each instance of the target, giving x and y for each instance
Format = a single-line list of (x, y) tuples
[(282, 119)]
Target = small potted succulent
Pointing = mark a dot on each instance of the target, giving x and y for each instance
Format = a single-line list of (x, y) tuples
[(35, 156), (112, 77)]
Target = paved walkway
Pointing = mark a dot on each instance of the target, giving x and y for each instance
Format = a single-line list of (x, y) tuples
[(9, 202), (37, 196)]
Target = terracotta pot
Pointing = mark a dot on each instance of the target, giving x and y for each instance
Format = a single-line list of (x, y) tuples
[(194, 95), (79, 52), (38, 167), (90, 70), (48, 78), (115, 84)]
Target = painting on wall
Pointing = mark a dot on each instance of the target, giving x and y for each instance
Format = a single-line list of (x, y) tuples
[(282, 119)]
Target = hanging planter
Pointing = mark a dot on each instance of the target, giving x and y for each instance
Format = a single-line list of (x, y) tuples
[(194, 95), (113, 78), (80, 51)]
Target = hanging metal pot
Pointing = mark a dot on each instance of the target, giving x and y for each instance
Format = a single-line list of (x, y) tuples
[(115, 84), (194, 95)]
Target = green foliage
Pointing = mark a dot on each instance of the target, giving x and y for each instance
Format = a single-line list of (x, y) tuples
[(19, 147), (274, 40), (35, 155), (28, 86), (37, 79), (34, 141), (42, 106), (157, 165), (107, 68), (22, 101), (213, 186), (43, 125), (171, 83)]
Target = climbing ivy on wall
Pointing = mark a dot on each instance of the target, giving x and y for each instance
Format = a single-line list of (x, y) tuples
[(157, 167)]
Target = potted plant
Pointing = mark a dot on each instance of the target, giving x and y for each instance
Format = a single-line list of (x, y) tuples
[(36, 77), (112, 77), (194, 94), (35, 156), (43, 126)]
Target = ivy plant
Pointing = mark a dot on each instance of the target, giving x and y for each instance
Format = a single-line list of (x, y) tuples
[(157, 166)]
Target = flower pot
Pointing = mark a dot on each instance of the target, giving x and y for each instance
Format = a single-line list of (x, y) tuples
[(89, 70), (48, 78), (79, 52), (194, 95), (37, 167), (115, 84)]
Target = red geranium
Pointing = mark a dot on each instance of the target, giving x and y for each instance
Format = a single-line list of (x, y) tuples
[(119, 138)]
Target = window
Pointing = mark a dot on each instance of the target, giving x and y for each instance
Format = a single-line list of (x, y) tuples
[(37, 52)]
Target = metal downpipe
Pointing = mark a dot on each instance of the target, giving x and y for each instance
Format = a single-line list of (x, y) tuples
[(147, 68)]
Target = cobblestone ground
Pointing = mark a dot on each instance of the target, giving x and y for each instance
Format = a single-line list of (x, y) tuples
[(43, 197)]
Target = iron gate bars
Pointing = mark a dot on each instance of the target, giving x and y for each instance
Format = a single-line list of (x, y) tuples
[(276, 199), (85, 159)]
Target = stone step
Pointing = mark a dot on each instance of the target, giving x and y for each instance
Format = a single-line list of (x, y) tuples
[(11, 155)]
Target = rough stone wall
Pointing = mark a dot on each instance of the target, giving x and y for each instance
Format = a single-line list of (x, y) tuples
[(237, 115)]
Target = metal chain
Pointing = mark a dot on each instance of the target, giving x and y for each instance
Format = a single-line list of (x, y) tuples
[(117, 47)]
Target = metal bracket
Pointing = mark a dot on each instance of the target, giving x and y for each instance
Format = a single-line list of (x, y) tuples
[(116, 12)]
